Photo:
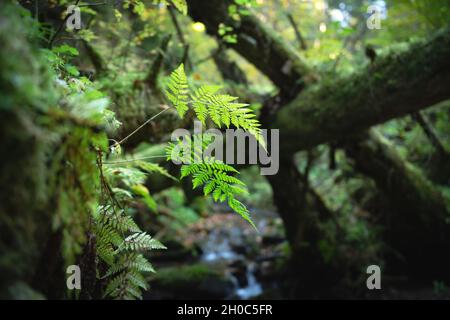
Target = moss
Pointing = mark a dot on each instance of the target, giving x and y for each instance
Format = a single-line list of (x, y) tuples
[(21, 291), (48, 165), (24, 221), (197, 281), (186, 276)]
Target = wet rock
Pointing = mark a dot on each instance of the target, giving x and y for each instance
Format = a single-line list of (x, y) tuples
[(176, 251), (197, 281), (238, 270), (239, 248), (272, 239)]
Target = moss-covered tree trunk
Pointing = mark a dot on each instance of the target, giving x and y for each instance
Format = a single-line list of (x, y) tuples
[(417, 229), (48, 172), (301, 210), (398, 84)]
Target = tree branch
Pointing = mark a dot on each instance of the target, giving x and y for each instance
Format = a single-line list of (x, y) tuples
[(257, 43), (400, 83)]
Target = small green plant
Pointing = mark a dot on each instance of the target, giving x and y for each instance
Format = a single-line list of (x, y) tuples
[(120, 242), (222, 109), (439, 287), (217, 177), (97, 184)]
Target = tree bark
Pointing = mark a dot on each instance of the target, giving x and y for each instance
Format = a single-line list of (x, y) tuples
[(229, 69), (417, 228), (398, 84), (301, 210)]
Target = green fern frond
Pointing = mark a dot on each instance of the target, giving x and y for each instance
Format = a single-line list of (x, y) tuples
[(119, 221), (241, 209), (141, 264), (222, 109), (154, 168), (177, 90), (195, 151), (126, 286), (133, 261), (107, 234), (218, 180), (200, 96), (140, 242), (133, 293), (114, 284), (137, 280), (105, 252), (122, 253)]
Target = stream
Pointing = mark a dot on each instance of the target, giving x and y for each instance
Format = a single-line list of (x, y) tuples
[(232, 259), (217, 249)]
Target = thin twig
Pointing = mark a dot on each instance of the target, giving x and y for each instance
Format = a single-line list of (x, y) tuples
[(298, 34), (134, 159), (158, 63), (93, 4), (52, 39), (186, 59), (140, 127)]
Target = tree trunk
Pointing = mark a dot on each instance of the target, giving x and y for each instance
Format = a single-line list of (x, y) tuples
[(301, 210), (229, 69), (417, 229)]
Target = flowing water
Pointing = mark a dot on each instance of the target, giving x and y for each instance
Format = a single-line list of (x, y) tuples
[(217, 248)]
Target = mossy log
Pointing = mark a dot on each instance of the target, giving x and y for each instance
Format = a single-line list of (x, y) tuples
[(195, 281), (48, 172), (301, 210), (400, 83), (418, 227)]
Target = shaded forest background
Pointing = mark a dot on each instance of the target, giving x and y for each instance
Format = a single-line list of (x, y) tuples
[(364, 149)]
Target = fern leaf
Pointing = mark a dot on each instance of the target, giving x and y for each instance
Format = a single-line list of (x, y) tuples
[(140, 263), (106, 252), (241, 209), (200, 100), (137, 280), (154, 168), (114, 284), (209, 187), (119, 222), (133, 293), (177, 90), (140, 242), (218, 180)]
